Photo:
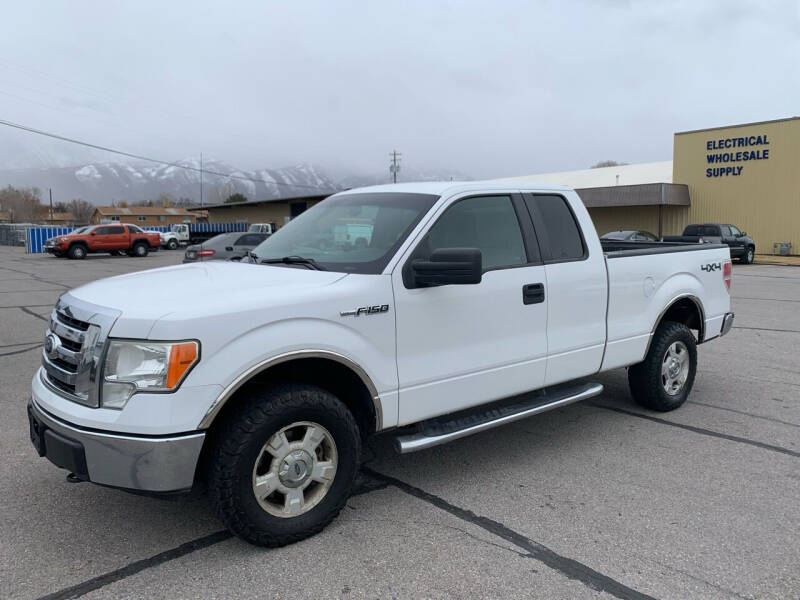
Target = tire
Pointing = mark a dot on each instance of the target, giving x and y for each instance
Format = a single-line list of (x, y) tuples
[(140, 250), (748, 256), (239, 456), (172, 244), (673, 344), (77, 252)]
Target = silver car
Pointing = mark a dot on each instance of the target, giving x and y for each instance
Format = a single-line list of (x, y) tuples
[(225, 246)]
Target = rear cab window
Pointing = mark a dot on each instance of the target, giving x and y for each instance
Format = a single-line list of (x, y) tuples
[(560, 237)]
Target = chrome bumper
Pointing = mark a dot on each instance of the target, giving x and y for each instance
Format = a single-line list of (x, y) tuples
[(727, 323), (145, 463)]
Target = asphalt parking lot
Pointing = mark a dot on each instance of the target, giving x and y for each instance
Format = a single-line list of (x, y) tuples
[(600, 499)]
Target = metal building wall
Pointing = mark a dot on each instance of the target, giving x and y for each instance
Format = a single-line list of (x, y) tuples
[(674, 218), (764, 200)]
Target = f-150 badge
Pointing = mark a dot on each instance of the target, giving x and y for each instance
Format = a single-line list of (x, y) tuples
[(365, 310)]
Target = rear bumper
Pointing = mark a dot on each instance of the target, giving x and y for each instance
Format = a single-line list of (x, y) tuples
[(158, 464), (727, 323)]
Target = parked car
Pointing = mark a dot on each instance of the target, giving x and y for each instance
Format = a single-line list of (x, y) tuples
[(741, 246), (225, 246), (468, 297), (114, 239), (630, 235)]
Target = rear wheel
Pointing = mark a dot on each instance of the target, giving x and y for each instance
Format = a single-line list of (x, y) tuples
[(140, 249), (283, 465), (664, 379), (77, 252)]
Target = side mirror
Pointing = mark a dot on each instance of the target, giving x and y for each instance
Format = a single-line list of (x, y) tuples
[(229, 248), (93, 233), (456, 266), (743, 234)]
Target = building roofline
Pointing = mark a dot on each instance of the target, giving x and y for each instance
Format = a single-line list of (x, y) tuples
[(258, 202), (738, 125)]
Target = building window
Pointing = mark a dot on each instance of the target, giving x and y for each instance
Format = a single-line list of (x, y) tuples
[(161, 218), (141, 218), (114, 217)]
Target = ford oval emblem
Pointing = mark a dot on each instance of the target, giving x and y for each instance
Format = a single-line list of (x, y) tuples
[(51, 344)]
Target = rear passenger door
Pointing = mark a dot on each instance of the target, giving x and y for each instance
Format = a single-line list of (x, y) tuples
[(576, 287)]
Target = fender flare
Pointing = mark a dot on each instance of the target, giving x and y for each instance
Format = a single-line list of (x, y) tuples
[(245, 376)]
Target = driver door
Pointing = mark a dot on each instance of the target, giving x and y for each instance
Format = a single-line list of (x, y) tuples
[(464, 345)]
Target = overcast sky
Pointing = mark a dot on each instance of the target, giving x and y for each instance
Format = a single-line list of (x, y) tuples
[(487, 88)]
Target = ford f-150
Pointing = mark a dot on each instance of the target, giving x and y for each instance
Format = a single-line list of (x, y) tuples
[(469, 306)]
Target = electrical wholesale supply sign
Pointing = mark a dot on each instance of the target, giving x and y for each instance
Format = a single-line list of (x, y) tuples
[(735, 150)]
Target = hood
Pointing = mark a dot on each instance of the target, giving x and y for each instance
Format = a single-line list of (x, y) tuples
[(204, 288)]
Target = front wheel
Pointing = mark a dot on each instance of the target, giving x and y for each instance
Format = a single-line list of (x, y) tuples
[(77, 252), (172, 244), (282, 466), (664, 379), (748, 256)]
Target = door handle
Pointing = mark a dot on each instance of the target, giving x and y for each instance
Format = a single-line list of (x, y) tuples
[(533, 293)]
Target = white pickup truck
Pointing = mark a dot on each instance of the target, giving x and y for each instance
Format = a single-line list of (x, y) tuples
[(472, 305)]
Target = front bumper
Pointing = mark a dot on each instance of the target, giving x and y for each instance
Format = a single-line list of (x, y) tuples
[(158, 464)]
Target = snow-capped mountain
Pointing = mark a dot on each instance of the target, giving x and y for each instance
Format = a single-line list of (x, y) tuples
[(104, 183)]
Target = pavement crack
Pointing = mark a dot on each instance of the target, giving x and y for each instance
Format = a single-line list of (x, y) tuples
[(701, 431), (28, 311), (747, 414), (568, 567), (12, 353), (90, 585)]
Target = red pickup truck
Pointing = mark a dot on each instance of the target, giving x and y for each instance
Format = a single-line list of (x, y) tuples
[(113, 239)]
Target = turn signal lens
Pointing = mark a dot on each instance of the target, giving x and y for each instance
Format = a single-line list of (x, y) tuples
[(727, 271), (181, 358)]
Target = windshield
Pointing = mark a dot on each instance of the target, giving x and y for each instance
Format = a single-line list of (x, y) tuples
[(81, 229), (355, 233)]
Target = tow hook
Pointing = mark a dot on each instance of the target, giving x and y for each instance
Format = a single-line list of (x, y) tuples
[(72, 478)]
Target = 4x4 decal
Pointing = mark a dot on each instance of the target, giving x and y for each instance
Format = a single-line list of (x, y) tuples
[(711, 267)]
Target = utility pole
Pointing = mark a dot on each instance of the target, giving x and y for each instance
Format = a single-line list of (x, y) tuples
[(201, 181), (51, 206), (395, 166)]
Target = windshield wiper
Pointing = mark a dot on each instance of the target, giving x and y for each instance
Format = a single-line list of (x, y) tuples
[(294, 260)]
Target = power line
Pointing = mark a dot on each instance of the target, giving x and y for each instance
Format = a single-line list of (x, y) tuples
[(155, 160)]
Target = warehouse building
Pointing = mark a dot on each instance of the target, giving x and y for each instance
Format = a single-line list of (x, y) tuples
[(144, 216), (277, 211), (747, 175)]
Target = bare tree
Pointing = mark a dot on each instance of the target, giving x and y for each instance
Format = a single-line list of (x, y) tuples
[(81, 210), (23, 205)]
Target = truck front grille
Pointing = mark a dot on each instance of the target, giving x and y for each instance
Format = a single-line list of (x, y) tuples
[(69, 357)]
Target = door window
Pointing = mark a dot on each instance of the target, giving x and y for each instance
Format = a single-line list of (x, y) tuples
[(115, 230), (735, 231), (250, 239), (488, 223), (556, 228), (726, 231)]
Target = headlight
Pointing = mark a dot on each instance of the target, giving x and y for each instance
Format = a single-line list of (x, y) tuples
[(144, 366), (63, 239)]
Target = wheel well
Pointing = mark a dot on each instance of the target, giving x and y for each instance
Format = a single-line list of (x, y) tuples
[(686, 310), (330, 375), (78, 243), (140, 241)]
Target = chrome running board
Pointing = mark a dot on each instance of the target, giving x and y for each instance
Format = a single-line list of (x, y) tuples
[(442, 430)]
